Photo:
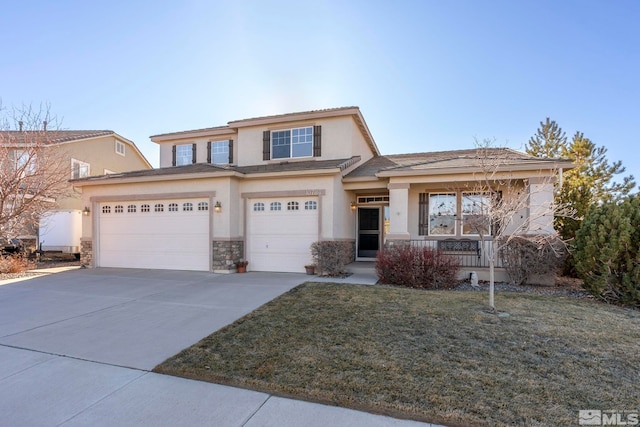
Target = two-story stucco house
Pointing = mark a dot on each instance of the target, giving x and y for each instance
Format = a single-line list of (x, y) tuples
[(86, 152), (264, 189)]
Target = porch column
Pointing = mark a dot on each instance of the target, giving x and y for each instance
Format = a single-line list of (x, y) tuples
[(398, 211), (540, 206)]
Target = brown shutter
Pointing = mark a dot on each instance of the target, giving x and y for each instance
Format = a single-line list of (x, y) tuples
[(193, 152), (317, 146), (173, 161), (266, 145), (230, 151), (423, 214), (208, 151)]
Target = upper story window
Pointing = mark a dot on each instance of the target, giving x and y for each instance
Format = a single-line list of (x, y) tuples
[(120, 148), (221, 152), (184, 154), (25, 161), (79, 169), (290, 143)]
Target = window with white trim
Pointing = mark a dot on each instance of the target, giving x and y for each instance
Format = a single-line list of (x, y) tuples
[(187, 206), (292, 143), (79, 169), (145, 208), (203, 206), (475, 214), (120, 148), (258, 207), (293, 206), (184, 154), (310, 205), (25, 161), (159, 207), (442, 214), (275, 206), (220, 153), (173, 207)]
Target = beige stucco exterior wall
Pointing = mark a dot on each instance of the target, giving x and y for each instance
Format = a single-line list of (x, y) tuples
[(100, 154)]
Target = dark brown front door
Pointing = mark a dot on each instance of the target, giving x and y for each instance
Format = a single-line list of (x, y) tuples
[(368, 232)]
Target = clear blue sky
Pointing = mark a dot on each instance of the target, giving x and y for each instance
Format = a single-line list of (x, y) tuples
[(428, 75)]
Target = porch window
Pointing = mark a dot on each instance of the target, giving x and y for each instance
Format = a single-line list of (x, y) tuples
[(475, 209), (442, 214)]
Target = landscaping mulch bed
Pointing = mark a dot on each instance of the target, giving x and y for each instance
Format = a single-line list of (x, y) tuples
[(436, 356)]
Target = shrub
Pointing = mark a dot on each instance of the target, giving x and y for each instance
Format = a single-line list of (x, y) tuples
[(417, 267), (524, 257), (331, 257), (607, 251), (14, 264)]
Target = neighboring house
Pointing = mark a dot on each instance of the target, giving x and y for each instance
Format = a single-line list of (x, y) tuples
[(264, 189), (87, 153)]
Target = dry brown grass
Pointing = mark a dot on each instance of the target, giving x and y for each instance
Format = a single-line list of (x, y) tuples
[(429, 355), (15, 264)]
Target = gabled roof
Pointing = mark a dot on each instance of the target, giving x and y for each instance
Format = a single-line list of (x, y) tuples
[(57, 137), (450, 161), (206, 169)]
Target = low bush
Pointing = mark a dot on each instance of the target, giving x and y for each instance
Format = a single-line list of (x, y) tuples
[(331, 257), (525, 257), (416, 267), (14, 264), (607, 251)]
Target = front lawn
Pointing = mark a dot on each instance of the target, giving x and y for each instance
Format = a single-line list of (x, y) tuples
[(435, 356)]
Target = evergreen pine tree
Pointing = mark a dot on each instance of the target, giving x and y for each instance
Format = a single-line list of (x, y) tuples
[(548, 142)]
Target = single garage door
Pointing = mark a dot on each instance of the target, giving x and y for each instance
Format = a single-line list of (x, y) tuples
[(162, 234), (281, 232)]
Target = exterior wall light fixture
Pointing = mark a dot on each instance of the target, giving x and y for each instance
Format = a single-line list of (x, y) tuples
[(218, 206), (353, 206), (86, 211)]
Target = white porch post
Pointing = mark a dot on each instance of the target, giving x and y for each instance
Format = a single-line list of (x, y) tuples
[(540, 206), (398, 211)]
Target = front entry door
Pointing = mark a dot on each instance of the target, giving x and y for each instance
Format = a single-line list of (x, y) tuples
[(368, 232)]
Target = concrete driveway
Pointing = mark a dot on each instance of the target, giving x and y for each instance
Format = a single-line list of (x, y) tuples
[(76, 349)]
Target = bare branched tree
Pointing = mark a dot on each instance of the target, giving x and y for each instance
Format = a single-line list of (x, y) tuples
[(33, 175), (502, 204)]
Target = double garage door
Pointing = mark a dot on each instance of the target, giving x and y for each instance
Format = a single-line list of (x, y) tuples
[(157, 234), (175, 234)]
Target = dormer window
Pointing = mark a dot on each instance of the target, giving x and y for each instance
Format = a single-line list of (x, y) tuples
[(291, 143), (120, 148), (220, 152)]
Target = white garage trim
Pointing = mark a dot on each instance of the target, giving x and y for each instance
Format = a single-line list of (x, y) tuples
[(155, 234)]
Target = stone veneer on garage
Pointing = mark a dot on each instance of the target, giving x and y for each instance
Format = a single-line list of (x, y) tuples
[(225, 253), (86, 252)]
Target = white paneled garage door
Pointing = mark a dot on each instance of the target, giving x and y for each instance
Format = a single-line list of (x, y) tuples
[(281, 232), (162, 234)]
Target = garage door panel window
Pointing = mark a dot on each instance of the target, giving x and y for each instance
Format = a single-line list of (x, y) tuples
[(173, 207), (131, 208), (145, 208), (119, 209), (293, 206), (258, 207), (159, 207), (310, 205), (187, 207), (275, 206), (106, 209), (203, 206)]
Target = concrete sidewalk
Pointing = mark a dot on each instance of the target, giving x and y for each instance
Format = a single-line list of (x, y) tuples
[(77, 347)]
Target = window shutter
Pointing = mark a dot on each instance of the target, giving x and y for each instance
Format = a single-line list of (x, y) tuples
[(208, 151), (193, 152), (317, 146), (173, 162), (266, 145), (423, 214), (230, 151)]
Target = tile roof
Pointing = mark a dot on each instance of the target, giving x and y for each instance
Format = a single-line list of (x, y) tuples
[(50, 136), (438, 160)]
